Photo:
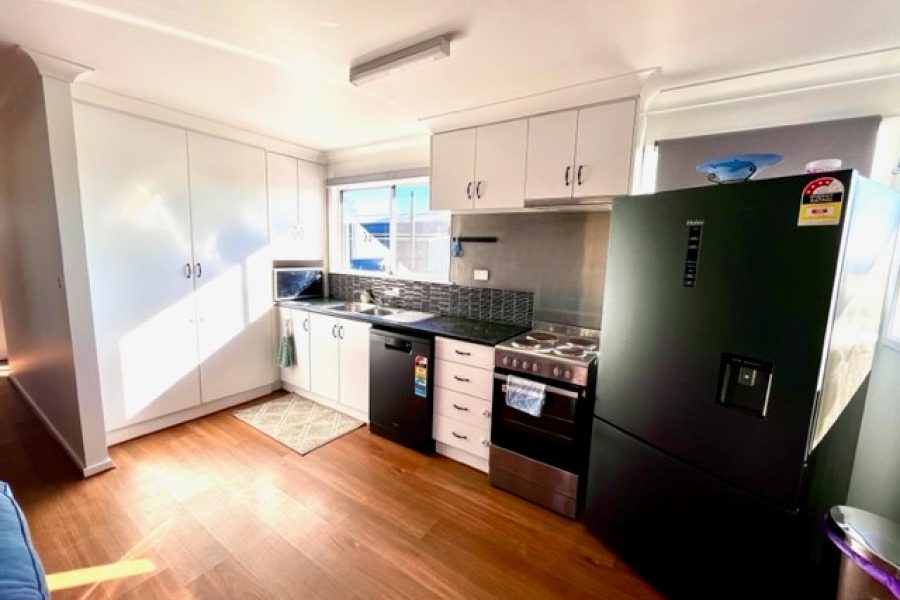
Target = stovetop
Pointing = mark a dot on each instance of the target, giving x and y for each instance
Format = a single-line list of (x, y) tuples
[(551, 351)]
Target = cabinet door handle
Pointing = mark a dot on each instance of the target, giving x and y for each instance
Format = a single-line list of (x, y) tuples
[(459, 436), (462, 379), (568, 171), (462, 408), (341, 331), (578, 175), (334, 330), (187, 270), (486, 413), (461, 353), (306, 324), (478, 189), (485, 443), (199, 270), (469, 191)]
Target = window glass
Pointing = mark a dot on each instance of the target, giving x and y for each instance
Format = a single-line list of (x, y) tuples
[(393, 230)]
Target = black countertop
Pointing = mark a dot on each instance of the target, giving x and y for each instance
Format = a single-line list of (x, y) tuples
[(469, 330)]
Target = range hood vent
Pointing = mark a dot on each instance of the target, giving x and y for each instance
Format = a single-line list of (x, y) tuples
[(569, 202)]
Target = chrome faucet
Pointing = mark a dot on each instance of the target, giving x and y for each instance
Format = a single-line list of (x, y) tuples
[(368, 296)]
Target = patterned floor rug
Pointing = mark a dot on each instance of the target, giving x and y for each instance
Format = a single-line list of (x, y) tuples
[(298, 423)]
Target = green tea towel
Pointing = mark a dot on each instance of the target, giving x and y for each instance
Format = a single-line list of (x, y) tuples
[(286, 355)]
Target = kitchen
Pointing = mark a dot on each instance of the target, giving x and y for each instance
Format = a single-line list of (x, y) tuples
[(458, 285)]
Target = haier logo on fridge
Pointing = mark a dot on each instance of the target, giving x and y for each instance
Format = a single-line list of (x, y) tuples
[(821, 202)]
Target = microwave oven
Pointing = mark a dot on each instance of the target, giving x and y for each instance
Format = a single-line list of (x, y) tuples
[(295, 283)]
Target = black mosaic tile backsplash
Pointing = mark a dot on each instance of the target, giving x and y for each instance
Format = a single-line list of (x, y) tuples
[(484, 304)]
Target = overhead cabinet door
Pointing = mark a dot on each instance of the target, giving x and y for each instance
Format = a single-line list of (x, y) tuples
[(603, 154), (134, 191), (284, 204), (311, 226), (551, 155), (232, 265), (500, 165), (453, 170)]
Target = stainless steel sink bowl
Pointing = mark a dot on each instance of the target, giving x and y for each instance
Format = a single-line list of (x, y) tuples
[(357, 307), (383, 312)]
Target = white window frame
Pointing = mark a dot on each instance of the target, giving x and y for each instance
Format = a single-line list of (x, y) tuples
[(336, 230)]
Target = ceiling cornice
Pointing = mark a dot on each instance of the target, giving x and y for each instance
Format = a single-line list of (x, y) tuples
[(56, 67)]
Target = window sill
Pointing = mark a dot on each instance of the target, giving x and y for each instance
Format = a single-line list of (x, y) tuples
[(382, 275)]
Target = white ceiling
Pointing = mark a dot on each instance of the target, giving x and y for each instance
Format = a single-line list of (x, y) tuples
[(279, 67)]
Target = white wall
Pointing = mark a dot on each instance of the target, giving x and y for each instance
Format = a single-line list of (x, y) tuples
[(395, 155), (38, 190)]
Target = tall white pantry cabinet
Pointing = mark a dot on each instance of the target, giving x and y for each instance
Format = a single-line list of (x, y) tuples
[(177, 235)]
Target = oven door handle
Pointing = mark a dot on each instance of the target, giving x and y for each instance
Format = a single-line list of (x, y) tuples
[(549, 388)]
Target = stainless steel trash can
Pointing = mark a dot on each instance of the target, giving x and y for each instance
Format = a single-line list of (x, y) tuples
[(870, 544)]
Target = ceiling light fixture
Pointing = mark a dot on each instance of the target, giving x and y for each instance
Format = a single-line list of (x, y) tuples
[(432, 49)]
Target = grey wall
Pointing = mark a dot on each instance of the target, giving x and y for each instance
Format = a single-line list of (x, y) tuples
[(851, 140), (559, 256)]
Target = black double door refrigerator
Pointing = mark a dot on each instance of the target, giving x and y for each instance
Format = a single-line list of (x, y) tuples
[(739, 325)]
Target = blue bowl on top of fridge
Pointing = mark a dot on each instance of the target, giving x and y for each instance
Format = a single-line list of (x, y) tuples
[(739, 167)]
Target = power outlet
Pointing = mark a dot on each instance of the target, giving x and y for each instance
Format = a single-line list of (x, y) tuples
[(480, 274)]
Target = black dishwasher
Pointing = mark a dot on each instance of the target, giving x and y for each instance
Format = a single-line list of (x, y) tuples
[(400, 388)]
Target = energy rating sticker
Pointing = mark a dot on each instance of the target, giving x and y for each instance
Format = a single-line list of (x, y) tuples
[(421, 376), (821, 202)]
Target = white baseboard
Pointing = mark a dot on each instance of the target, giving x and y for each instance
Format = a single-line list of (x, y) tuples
[(86, 471), (117, 436), (476, 462), (341, 408)]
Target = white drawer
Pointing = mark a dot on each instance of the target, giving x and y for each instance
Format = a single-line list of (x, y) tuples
[(465, 408), (463, 378), (476, 355), (464, 436)]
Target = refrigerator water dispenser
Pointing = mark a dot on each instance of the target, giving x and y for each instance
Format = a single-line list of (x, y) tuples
[(744, 384)]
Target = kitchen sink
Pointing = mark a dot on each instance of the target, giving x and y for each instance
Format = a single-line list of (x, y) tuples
[(399, 315)]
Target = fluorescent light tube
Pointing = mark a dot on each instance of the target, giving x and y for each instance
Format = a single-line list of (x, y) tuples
[(433, 49)]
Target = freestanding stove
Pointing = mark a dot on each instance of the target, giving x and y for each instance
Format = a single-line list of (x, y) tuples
[(544, 458)]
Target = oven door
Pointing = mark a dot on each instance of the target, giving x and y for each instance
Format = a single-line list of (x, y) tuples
[(555, 437)]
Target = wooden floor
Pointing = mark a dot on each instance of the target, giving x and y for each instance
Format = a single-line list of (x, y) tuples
[(223, 511)]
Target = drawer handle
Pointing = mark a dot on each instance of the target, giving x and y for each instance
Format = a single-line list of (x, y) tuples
[(462, 408), (461, 353), (459, 436), (461, 379), (485, 443), (486, 413)]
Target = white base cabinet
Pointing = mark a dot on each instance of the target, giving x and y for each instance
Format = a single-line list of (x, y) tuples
[(297, 323), (339, 362), (464, 375)]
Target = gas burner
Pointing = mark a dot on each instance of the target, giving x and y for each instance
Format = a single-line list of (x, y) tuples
[(541, 336), (582, 343), (569, 351)]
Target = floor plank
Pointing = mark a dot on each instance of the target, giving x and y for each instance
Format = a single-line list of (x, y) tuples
[(224, 511)]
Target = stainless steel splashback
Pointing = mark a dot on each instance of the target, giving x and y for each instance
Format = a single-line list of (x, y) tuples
[(559, 256)]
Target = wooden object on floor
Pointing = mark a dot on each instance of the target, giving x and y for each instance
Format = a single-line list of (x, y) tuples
[(223, 511)]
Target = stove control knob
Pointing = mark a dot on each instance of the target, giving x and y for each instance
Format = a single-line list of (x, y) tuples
[(567, 374), (515, 363), (557, 371), (536, 368), (505, 361), (525, 365)]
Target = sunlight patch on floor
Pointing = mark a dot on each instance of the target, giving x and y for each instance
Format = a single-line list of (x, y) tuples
[(94, 575)]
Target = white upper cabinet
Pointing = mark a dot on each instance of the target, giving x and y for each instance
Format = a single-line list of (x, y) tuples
[(296, 208), (453, 170), (311, 218), (232, 267), (581, 153), (479, 168), (134, 192), (551, 155), (603, 154), (284, 204), (500, 165)]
